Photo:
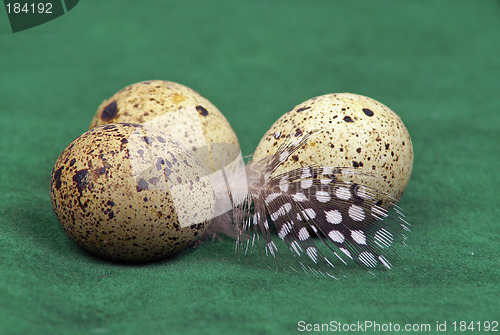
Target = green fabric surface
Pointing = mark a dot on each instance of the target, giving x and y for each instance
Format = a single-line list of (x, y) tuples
[(436, 63)]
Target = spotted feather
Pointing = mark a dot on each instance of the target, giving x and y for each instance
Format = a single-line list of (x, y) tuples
[(311, 219)]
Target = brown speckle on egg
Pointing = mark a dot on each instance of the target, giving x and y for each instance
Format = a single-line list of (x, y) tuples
[(202, 110), (109, 112), (302, 109), (368, 111)]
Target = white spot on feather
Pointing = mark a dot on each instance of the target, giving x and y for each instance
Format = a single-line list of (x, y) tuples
[(299, 197), (343, 193), (283, 210), (271, 197), (303, 234), (309, 213), (356, 213), (336, 236), (305, 184), (312, 252), (323, 196), (368, 259), (358, 236), (333, 216)]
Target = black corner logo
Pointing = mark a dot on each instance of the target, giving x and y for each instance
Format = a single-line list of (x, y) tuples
[(29, 13)]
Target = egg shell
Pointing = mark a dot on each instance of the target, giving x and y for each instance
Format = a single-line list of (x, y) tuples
[(176, 110), (128, 193), (358, 133)]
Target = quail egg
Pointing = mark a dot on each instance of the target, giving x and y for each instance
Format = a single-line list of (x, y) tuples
[(129, 193), (176, 110), (356, 132)]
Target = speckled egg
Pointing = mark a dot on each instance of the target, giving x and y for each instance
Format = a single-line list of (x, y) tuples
[(178, 111), (128, 193), (357, 132)]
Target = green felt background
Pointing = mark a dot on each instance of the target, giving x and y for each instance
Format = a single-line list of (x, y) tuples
[(435, 62)]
